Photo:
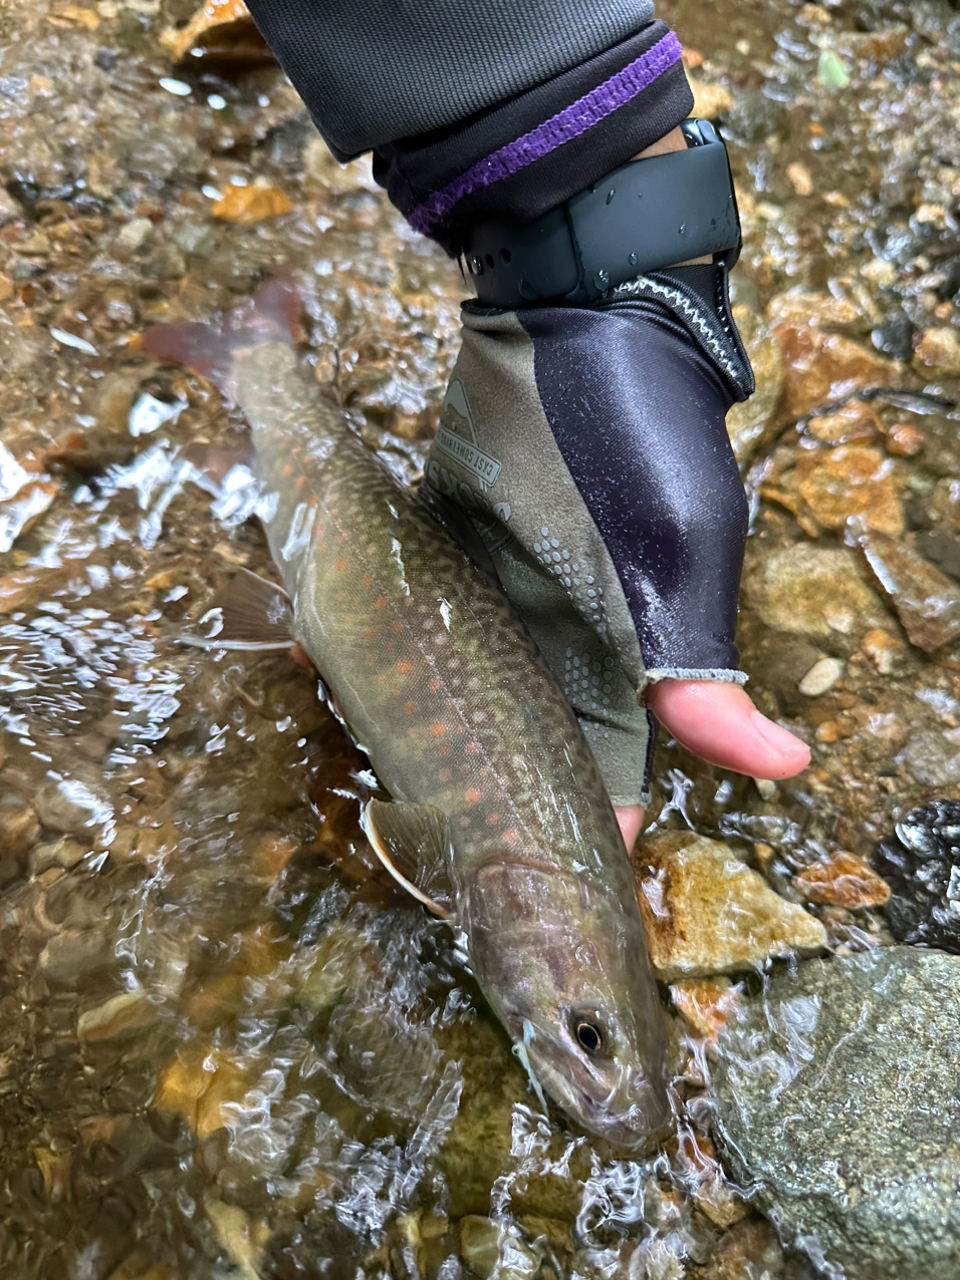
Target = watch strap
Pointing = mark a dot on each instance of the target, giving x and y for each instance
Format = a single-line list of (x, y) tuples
[(645, 215)]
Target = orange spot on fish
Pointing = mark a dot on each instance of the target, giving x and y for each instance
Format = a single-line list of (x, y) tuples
[(443, 775), (438, 728), (367, 580), (404, 668), (444, 749), (409, 708), (380, 602), (342, 565), (472, 795), (493, 819), (300, 482), (287, 471), (434, 686), (398, 626), (510, 835), (371, 633)]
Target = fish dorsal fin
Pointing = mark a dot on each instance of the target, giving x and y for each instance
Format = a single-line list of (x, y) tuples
[(413, 841), (248, 612)]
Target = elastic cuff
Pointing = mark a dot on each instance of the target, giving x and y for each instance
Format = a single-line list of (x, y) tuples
[(693, 673), (522, 158)]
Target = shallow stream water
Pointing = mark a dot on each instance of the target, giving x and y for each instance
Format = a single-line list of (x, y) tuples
[(227, 1046)]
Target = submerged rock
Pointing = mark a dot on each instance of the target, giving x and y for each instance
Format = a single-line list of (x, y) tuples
[(927, 602), (706, 912), (810, 591), (921, 863), (837, 1099)]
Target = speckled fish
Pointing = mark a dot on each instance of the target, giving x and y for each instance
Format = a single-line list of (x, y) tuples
[(500, 820)]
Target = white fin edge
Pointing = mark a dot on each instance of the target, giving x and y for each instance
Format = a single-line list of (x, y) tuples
[(428, 902)]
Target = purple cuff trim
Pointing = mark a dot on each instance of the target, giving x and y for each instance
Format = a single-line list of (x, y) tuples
[(569, 123)]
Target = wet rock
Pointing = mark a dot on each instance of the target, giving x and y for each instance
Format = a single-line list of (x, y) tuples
[(710, 100), (842, 880), (221, 31), (121, 1015), (493, 1248), (705, 1003), (251, 203), (821, 677), (72, 955), (837, 1099), (748, 1251), (70, 807), (19, 829), (933, 757), (63, 853), (754, 422), (242, 1238), (942, 550), (921, 862), (939, 351), (850, 480), (824, 367), (926, 602), (809, 590), (706, 912)]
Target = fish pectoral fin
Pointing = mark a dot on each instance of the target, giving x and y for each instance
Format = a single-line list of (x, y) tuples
[(413, 842), (248, 612)]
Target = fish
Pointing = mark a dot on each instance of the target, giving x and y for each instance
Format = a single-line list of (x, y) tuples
[(499, 820)]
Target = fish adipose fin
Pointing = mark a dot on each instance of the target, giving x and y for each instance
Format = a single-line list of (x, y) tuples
[(248, 612), (413, 841)]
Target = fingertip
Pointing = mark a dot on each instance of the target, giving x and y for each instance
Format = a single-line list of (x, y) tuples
[(718, 722)]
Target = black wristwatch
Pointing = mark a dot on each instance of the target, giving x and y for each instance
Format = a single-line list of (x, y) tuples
[(645, 215)]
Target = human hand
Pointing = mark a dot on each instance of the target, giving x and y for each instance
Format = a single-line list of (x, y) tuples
[(588, 445)]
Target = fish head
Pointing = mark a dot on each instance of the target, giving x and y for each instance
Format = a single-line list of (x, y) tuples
[(564, 964)]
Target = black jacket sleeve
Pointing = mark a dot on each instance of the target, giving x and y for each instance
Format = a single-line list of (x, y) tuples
[(481, 108)]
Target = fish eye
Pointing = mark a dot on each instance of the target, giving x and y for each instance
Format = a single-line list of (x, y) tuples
[(588, 1033)]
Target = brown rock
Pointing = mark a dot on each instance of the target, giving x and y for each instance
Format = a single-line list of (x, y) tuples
[(852, 423), (19, 828), (706, 1003), (220, 31), (252, 203), (925, 600), (706, 912), (884, 650), (842, 880), (748, 1251), (203, 1084), (710, 100), (903, 440), (939, 350), (754, 422), (850, 480), (823, 367)]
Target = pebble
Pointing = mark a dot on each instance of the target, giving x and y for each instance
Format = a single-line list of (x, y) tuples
[(925, 600), (837, 1099), (706, 912), (70, 807), (842, 880), (821, 677), (121, 1014), (73, 954), (939, 351), (883, 650), (495, 1249), (921, 862)]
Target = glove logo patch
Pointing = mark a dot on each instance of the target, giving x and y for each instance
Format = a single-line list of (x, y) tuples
[(457, 437)]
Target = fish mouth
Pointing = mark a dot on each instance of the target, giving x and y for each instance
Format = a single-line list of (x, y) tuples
[(625, 1110)]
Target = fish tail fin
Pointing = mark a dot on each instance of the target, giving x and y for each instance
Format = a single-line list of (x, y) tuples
[(272, 314)]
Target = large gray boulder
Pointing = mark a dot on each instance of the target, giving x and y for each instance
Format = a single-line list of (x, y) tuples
[(838, 1103)]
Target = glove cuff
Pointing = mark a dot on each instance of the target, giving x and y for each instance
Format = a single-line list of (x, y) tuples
[(699, 298)]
